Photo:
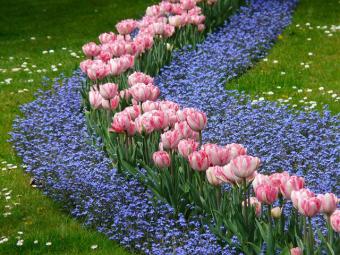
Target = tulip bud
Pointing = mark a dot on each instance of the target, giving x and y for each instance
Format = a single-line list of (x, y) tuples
[(170, 139), (309, 206), (279, 179), (186, 147), (335, 220), (296, 196), (108, 90), (294, 183), (197, 120), (95, 99), (91, 49), (236, 150), (276, 212), (161, 159), (296, 251), (260, 179)]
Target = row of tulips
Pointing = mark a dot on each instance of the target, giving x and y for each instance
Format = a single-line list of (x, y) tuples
[(165, 142)]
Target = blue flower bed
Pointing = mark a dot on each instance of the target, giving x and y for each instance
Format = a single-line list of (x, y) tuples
[(303, 143), (54, 142)]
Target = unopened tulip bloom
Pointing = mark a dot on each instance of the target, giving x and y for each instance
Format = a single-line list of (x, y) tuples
[(186, 147), (95, 99), (170, 139), (244, 166), (227, 175), (329, 203), (296, 251), (154, 92), (197, 120), (91, 49), (131, 129), (143, 123), (276, 212), (98, 70), (183, 129), (134, 111), (161, 159), (335, 220), (148, 106), (107, 37), (139, 77), (199, 160), (159, 120), (294, 183), (188, 4), (108, 90), (296, 196), (309, 206), (236, 150), (266, 193), (111, 104), (84, 65), (126, 26), (121, 122), (211, 175), (168, 105), (256, 204)]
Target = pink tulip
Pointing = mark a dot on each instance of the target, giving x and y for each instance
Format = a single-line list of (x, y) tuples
[(261, 179), (153, 10), (197, 120), (91, 49), (296, 251), (154, 92), (134, 111), (149, 106), (131, 129), (127, 61), (329, 203), (293, 183), (172, 117), (84, 65), (170, 139), (297, 196), (176, 20), (111, 104), (335, 221), (309, 206), (161, 159), (108, 90), (121, 122), (279, 179), (188, 4), (159, 120), (211, 175), (227, 175), (104, 56), (256, 204), (139, 77), (236, 150), (107, 38), (126, 26), (143, 123), (95, 99), (140, 92), (244, 166), (200, 27), (184, 129), (98, 70), (218, 155), (197, 19), (199, 160), (186, 147), (168, 105), (266, 193)]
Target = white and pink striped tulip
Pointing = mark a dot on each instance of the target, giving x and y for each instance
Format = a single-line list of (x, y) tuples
[(266, 193), (111, 104), (108, 90), (91, 49), (335, 220), (294, 183), (211, 175), (170, 139), (244, 166), (186, 147), (95, 99), (197, 120), (199, 160), (126, 26), (329, 203), (236, 150), (309, 206), (161, 159)]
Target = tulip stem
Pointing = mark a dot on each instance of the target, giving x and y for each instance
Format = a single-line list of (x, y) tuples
[(245, 203), (200, 137)]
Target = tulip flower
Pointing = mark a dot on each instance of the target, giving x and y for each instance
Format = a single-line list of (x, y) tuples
[(170, 139), (97, 70), (309, 206), (159, 120), (329, 203), (95, 99), (134, 111), (197, 120), (121, 122), (335, 220), (266, 193), (244, 166), (140, 92), (186, 147), (110, 104), (183, 128), (107, 38), (227, 175), (279, 179), (91, 49), (199, 160), (139, 77), (108, 90), (84, 65), (143, 123), (126, 26), (276, 212), (161, 159), (296, 251), (256, 204), (236, 150), (188, 4), (296, 196), (260, 179), (218, 156), (294, 183), (148, 106), (211, 175)]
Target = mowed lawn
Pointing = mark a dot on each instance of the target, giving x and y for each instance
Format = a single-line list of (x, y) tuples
[(43, 39), (303, 68)]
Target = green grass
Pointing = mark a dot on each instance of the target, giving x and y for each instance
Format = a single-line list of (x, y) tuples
[(54, 25), (292, 49)]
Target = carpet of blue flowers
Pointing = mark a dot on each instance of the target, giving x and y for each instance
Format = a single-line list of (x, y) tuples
[(54, 141)]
